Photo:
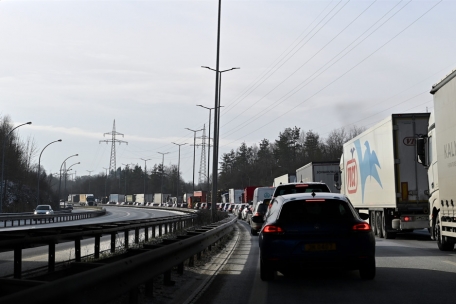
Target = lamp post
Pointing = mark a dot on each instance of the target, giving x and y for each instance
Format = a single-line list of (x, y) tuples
[(39, 165), (163, 171), (178, 168), (194, 151), (145, 175), (106, 180), (67, 170), (60, 177), (218, 90), (3, 160)]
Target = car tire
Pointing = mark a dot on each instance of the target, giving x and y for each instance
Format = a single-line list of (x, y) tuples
[(442, 241), (253, 231), (387, 234), (378, 223), (367, 270), (266, 271)]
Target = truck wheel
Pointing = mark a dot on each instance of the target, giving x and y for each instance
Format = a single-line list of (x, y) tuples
[(442, 241), (378, 222), (387, 234), (372, 221)]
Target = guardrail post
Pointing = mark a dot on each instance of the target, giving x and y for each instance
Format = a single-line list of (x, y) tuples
[(136, 235), (166, 228), (97, 247), (17, 262), (126, 238), (198, 256), (77, 249), (113, 242), (51, 256), (191, 261), (153, 231), (159, 230), (167, 279), (146, 234)]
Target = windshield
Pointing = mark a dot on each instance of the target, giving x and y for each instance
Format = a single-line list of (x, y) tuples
[(300, 188), (304, 211), (43, 208)]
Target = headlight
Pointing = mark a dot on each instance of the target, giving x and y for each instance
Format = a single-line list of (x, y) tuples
[(35, 212), (47, 212)]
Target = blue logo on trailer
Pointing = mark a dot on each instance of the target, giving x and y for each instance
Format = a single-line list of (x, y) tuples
[(367, 165)]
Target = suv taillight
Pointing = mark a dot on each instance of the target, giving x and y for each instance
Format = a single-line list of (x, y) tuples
[(361, 227), (272, 229)]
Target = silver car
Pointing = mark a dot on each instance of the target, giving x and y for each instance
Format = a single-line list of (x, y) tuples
[(43, 209)]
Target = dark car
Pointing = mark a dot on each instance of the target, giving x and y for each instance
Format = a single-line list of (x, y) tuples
[(256, 219), (313, 231)]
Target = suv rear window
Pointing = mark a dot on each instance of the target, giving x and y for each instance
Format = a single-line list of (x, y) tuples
[(300, 188), (304, 211)]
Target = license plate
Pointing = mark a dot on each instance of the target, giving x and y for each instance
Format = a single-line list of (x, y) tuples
[(320, 247)]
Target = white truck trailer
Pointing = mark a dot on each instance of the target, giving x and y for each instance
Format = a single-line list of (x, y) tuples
[(322, 172), (437, 152), (116, 198), (284, 179), (380, 174), (235, 196), (261, 193)]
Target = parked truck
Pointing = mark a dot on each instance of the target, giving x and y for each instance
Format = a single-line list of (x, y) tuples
[(73, 198), (116, 198), (319, 172), (130, 199), (436, 150), (284, 179), (235, 196), (380, 174)]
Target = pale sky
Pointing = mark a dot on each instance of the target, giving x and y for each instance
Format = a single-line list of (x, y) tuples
[(72, 67)]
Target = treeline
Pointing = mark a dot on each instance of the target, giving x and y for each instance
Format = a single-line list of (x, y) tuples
[(19, 188), (258, 165)]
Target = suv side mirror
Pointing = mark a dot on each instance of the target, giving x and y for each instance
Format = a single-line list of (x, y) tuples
[(336, 180)]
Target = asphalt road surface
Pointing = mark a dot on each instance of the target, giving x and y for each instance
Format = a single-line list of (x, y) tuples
[(410, 269)]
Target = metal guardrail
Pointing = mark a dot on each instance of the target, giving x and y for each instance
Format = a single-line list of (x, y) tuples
[(58, 216), (106, 280)]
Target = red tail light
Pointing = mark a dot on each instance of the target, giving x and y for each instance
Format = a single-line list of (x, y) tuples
[(361, 227), (257, 214), (272, 229)]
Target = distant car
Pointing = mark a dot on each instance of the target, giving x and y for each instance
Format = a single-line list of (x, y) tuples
[(67, 207), (43, 209), (312, 231), (256, 219)]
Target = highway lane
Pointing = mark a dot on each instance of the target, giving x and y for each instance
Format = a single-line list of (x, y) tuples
[(38, 257), (410, 269)]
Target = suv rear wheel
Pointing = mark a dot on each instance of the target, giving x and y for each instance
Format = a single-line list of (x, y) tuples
[(266, 271)]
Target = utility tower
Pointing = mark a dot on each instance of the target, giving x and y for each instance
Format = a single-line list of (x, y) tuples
[(202, 171), (113, 141)]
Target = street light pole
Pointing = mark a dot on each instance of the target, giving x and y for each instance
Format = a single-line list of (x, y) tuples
[(145, 175), (39, 165), (163, 172), (60, 177), (67, 170), (194, 151), (178, 168), (106, 180), (3, 161), (218, 89)]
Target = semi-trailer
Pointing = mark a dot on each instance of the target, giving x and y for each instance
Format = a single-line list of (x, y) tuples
[(322, 172), (380, 174)]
